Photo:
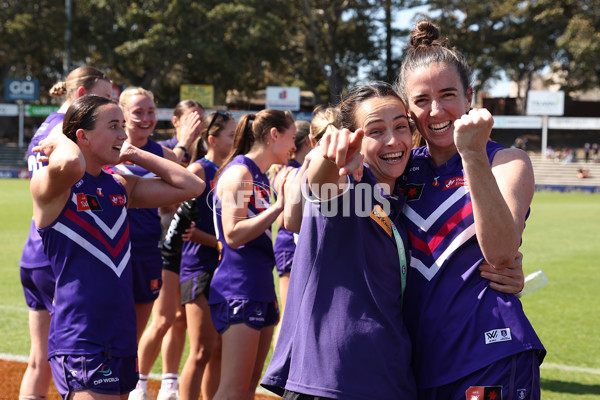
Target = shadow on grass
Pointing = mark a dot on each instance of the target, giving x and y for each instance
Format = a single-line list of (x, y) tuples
[(569, 387)]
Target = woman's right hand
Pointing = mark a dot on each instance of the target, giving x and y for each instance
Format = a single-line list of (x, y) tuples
[(342, 147)]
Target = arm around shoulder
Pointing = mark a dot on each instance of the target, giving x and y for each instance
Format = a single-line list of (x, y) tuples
[(174, 184)]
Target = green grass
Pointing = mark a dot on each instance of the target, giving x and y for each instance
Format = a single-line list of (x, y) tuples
[(560, 238)]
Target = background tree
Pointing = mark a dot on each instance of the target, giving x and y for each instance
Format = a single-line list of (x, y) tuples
[(31, 44), (320, 45)]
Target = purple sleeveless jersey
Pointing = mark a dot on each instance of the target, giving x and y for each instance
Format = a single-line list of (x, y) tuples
[(196, 258), (145, 222), (457, 323), (33, 252), (246, 272), (343, 335), (89, 250)]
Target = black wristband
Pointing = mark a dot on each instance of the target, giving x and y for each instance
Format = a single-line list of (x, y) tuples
[(181, 147)]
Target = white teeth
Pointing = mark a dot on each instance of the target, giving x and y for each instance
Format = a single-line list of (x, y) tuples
[(393, 155), (439, 127)]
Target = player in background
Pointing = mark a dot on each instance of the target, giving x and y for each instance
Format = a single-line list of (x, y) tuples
[(242, 299)]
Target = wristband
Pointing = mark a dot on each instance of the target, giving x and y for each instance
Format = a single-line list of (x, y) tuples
[(181, 147)]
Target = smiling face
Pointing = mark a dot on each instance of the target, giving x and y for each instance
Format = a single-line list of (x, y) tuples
[(140, 117), (437, 98), (104, 142), (387, 141), (284, 144)]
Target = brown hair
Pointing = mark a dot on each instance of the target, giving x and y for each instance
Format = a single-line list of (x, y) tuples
[(324, 120), (356, 96), (82, 114), (254, 128), (211, 125), (82, 76), (184, 105), (427, 48)]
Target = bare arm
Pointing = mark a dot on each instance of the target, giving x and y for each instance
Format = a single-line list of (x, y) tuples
[(234, 190), (194, 234), (294, 202), (51, 186), (508, 280), (501, 194), (187, 133), (173, 185)]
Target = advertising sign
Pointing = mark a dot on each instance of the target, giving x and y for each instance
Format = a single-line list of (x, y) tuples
[(543, 102), (203, 94), (21, 89), (283, 98)]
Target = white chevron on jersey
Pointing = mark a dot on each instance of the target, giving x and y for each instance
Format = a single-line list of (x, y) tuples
[(429, 271), (425, 224), (252, 214), (110, 232), (125, 171), (81, 241)]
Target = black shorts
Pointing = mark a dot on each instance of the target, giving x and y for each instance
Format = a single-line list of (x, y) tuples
[(194, 287), (288, 395)]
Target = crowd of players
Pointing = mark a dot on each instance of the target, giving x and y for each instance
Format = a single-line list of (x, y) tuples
[(398, 263)]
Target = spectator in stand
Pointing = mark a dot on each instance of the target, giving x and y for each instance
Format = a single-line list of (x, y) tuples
[(586, 152), (37, 277), (595, 148), (583, 173)]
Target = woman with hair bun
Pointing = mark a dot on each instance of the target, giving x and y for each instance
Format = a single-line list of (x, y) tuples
[(242, 298), (467, 202)]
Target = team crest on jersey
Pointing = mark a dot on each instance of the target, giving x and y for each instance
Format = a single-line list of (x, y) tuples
[(455, 182), (522, 393), (118, 199), (260, 198), (484, 393), (87, 202), (413, 191), (435, 182), (498, 335)]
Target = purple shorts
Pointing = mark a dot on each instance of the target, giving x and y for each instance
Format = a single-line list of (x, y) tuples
[(514, 377), (255, 314), (38, 287), (147, 280), (97, 373), (283, 261)]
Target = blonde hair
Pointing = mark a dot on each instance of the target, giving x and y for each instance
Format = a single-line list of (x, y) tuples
[(82, 76), (325, 119), (133, 91)]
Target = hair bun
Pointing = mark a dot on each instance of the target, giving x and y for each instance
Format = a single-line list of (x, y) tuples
[(426, 34), (58, 89)]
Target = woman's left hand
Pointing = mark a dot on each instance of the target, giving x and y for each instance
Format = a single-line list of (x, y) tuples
[(472, 131), (508, 280)]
